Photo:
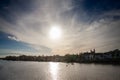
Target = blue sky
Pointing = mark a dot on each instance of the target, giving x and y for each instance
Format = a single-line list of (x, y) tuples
[(85, 24)]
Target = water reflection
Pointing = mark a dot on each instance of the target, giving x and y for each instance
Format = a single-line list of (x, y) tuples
[(54, 70)]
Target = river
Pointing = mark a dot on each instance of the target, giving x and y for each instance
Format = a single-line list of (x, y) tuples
[(20, 70)]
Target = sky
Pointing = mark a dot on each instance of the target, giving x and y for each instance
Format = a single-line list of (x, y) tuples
[(26, 25)]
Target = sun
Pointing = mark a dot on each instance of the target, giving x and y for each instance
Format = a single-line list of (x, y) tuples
[(55, 32)]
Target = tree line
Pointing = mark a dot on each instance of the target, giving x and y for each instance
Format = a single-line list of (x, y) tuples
[(85, 57)]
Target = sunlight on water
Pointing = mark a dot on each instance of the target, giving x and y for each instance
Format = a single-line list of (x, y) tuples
[(54, 70)]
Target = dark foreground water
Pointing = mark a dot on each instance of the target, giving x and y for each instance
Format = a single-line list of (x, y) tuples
[(18, 70)]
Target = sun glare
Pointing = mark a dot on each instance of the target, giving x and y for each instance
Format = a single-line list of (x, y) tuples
[(55, 32), (54, 68)]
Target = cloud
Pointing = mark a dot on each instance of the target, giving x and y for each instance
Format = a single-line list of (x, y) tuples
[(101, 31), (13, 38), (34, 27)]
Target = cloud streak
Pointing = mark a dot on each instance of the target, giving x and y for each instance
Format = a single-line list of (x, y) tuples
[(100, 32)]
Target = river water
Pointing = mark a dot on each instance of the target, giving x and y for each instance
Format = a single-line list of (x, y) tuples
[(20, 70)]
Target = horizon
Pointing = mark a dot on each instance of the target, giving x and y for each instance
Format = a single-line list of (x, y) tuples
[(80, 53), (58, 27)]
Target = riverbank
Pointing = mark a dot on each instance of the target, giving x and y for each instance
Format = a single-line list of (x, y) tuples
[(111, 57)]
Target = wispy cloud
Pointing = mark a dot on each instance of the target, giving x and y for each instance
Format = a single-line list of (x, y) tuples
[(13, 38), (100, 32)]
